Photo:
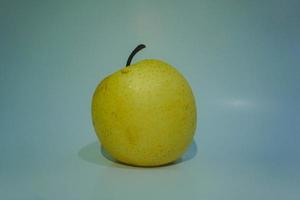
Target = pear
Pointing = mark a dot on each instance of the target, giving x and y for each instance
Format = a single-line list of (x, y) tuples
[(145, 113)]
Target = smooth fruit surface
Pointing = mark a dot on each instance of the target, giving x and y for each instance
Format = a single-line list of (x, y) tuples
[(144, 114)]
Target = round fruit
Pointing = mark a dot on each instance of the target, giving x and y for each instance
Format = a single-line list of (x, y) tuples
[(144, 114)]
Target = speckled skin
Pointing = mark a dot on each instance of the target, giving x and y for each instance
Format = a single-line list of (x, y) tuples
[(145, 114)]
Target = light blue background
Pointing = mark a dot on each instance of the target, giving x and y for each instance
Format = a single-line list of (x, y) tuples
[(240, 57)]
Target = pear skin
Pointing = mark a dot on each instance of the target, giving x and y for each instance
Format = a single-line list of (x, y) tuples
[(145, 114)]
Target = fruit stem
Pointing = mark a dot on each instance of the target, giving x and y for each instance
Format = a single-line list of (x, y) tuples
[(137, 49)]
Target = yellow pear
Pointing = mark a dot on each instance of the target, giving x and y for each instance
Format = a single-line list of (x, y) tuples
[(144, 114)]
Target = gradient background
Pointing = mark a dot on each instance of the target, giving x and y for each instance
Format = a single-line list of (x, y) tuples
[(240, 57)]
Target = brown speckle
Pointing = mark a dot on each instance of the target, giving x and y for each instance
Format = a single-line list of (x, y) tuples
[(131, 136), (125, 70)]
